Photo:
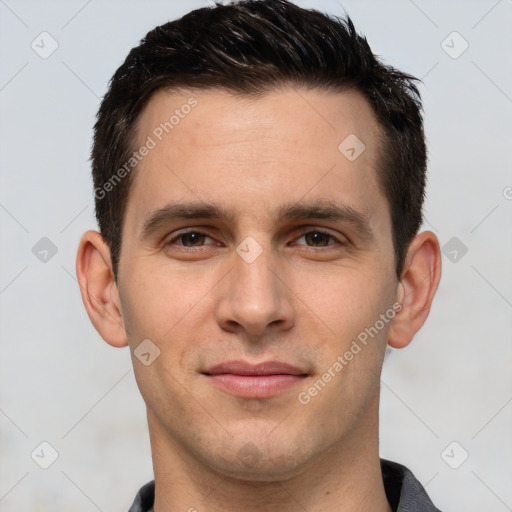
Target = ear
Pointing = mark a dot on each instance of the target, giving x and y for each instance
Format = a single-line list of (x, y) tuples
[(416, 289), (99, 290)]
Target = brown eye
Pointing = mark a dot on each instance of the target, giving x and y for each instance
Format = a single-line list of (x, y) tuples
[(317, 239), (192, 239)]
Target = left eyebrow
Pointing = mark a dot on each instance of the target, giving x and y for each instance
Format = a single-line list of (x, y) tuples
[(335, 212)]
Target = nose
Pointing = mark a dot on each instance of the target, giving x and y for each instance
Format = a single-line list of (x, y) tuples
[(255, 300)]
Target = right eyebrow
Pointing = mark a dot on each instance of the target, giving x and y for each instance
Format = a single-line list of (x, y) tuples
[(173, 211)]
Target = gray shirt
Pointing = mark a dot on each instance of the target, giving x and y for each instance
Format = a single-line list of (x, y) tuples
[(403, 491)]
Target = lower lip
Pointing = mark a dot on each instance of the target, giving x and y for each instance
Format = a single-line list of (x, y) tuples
[(259, 386)]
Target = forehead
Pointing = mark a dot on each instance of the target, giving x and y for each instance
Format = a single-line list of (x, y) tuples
[(249, 152), (286, 114)]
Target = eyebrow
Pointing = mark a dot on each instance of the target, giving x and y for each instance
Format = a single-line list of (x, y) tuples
[(336, 212), (175, 211), (319, 210)]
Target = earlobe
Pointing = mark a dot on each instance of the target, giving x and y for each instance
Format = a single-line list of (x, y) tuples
[(416, 289), (98, 288)]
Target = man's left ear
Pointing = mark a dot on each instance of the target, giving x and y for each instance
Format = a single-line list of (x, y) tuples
[(416, 289)]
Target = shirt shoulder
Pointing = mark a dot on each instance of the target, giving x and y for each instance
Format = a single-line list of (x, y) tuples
[(403, 490), (144, 499)]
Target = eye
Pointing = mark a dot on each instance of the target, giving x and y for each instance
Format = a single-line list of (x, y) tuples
[(190, 239), (316, 239)]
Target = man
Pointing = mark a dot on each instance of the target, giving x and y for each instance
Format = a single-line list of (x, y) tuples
[(259, 179)]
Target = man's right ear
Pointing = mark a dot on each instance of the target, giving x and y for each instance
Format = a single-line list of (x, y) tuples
[(99, 289)]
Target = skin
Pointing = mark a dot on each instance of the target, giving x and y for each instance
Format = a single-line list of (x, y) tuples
[(303, 300)]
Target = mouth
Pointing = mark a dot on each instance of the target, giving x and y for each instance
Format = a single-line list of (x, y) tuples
[(248, 380)]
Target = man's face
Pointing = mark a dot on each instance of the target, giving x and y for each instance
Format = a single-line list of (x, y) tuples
[(250, 237)]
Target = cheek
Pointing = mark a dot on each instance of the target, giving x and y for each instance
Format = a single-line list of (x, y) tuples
[(346, 301), (353, 348), (156, 301), (174, 311), (348, 311), (159, 307)]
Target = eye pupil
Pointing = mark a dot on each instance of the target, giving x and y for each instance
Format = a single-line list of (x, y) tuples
[(316, 238), (192, 239)]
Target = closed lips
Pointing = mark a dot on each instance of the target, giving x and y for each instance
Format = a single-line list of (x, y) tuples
[(263, 380), (260, 369)]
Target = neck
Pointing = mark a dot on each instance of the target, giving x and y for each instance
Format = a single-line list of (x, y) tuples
[(346, 478)]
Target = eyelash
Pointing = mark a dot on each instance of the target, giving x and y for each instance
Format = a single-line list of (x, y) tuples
[(303, 233)]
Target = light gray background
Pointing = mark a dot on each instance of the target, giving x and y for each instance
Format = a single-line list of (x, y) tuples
[(62, 384)]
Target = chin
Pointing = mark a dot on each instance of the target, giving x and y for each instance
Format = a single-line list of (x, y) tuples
[(262, 461), (262, 472)]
